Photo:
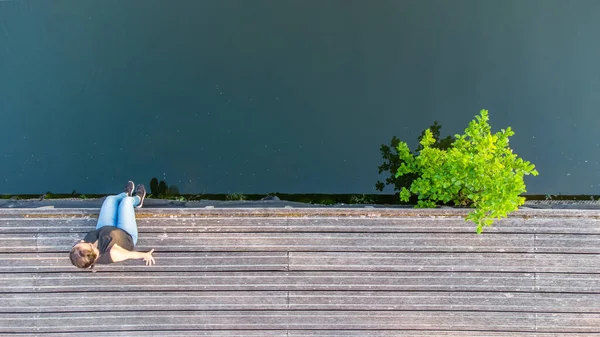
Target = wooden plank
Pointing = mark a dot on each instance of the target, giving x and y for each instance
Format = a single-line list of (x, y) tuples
[(46, 225), (575, 283), (165, 261), (149, 225), (299, 300), (298, 224), (427, 333), (443, 301), (20, 213), (330, 261), (85, 281), (444, 225), (321, 333), (297, 212), (213, 320), (389, 242), (93, 302), (175, 333), (471, 262), (393, 242), (443, 320), (567, 243), (564, 322)]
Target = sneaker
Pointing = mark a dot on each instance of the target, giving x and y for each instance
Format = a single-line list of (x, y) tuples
[(129, 188), (140, 191)]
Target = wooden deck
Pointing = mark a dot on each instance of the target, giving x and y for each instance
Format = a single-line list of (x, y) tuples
[(306, 273)]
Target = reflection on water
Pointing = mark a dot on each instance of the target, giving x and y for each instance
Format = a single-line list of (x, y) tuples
[(391, 160)]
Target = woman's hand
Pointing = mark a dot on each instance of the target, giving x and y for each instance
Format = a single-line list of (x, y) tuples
[(118, 254), (148, 258)]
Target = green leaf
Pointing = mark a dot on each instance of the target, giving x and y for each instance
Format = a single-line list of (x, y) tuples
[(404, 194)]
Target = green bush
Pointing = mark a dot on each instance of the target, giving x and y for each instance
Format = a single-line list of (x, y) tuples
[(479, 170), (392, 161)]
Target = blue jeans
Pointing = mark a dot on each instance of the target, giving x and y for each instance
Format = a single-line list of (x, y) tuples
[(117, 210)]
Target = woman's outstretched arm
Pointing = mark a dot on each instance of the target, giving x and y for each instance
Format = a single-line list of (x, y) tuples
[(118, 254)]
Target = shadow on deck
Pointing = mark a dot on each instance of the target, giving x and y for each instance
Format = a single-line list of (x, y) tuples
[(306, 272)]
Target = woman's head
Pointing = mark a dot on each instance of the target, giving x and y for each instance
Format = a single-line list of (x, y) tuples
[(83, 255)]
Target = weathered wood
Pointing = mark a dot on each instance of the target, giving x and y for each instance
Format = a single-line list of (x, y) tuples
[(567, 243), (307, 272), (389, 242), (443, 320), (315, 224), (267, 281), (46, 225), (321, 333), (185, 333), (131, 321), (471, 262), (575, 214), (453, 301), (576, 283), (165, 261), (568, 322), (322, 261), (444, 225), (143, 301), (299, 300), (393, 242), (427, 333), (148, 225)]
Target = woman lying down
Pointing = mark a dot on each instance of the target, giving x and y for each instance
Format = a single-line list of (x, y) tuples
[(116, 232)]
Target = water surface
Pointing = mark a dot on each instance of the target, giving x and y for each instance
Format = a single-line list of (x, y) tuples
[(289, 96)]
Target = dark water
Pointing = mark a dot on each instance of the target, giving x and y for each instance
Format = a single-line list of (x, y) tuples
[(288, 96)]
